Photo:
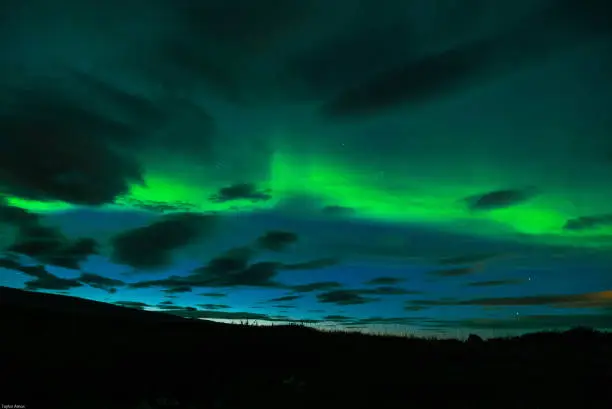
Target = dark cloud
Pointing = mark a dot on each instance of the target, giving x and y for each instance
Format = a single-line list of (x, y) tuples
[(344, 297), (312, 264), (339, 211), (500, 199), (467, 259), (285, 298), (43, 279), (318, 286), (151, 247), (214, 306), (170, 282), (232, 261), (45, 244), (602, 299), (48, 245), (179, 289), (259, 274), (387, 290), (337, 318), (454, 272), (385, 320), (241, 191), (284, 306), (52, 283), (16, 216), (10, 263), (166, 303), (134, 108), (495, 283), (55, 148), (132, 304), (253, 28), (588, 222), (411, 83), (214, 295), (233, 269), (102, 283), (353, 55), (157, 207), (169, 307), (277, 240), (384, 281), (38, 271), (466, 63)]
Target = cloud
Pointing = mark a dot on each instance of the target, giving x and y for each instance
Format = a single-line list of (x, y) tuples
[(411, 83), (343, 297), (388, 290), (317, 286), (166, 303), (500, 199), (45, 244), (385, 320), (260, 274), (337, 318), (56, 148), (495, 283), (241, 191), (465, 62), (178, 289), (233, 268), (48, 245), (156, 206), (102, 283), (16, 216), (456, 272), (214, 306), (285, 298), (43, 279), (353, 54), (167, 307), (52, 283), (312, 264), (602, 299), (132, 304), (588, 222), (338, 211), (151, 247), (38, 271), (467, 259), (232, 261), (277, 240), (384, 281), (214, 295)]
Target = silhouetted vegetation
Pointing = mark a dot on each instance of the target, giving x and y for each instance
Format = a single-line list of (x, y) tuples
[(64, 352)]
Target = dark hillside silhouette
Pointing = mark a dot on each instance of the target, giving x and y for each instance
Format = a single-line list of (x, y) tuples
[(66, 352)]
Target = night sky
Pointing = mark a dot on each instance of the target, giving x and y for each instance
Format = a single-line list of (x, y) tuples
[(418, 167)]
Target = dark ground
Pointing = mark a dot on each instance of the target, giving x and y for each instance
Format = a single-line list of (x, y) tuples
[(62, 352)]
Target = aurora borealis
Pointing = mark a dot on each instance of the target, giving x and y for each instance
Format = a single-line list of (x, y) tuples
[(430, 168)]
